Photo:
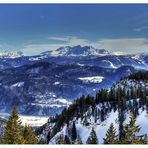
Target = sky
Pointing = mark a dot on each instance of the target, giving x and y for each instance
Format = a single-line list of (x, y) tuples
[(34, 28)]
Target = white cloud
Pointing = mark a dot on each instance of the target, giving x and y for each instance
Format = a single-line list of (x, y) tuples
[(65, 38), (70, 40), (34, 49), (124, 45), (140, 28), (128, 45)]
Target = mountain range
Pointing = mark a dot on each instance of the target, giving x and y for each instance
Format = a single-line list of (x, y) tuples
[(47, 83)]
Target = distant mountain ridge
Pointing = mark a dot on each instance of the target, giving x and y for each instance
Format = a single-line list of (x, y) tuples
[(12, 54), (76, 51)]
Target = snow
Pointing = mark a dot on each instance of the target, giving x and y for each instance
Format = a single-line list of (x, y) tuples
[(56, 83), (60, 102), (141, 120), (62, 132), (102, 127), (18, 84), (80, 64), (133, 83), (110, 63), (34, 121), (76, 51), (136, 57), (117, 53), (83, 132), (12, 54), (37, 58), (94, 79), (63, 101)]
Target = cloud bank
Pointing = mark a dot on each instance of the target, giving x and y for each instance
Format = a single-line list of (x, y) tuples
[(121, 45)]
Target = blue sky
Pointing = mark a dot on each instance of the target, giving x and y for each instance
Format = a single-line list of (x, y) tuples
[(36, 28)]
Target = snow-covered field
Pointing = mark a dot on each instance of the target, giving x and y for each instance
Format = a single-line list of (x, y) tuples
[(33, 121), (61, 102), (94, 79)]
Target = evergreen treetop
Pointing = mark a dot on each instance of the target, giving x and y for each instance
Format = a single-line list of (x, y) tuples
[(130, 131), (13, 130), (92, 139), (111, 136), (29, 135)]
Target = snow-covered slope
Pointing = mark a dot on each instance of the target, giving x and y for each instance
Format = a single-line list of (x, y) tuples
[(102, 127), (93, 79)]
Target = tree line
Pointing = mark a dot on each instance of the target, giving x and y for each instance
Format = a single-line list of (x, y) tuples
[(139, 76), (15, 133)]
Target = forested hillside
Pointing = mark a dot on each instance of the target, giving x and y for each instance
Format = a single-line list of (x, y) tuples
[(114, 105)]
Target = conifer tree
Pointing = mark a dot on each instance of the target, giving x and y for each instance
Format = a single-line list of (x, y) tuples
[(92, 139), (29, 135), (13, 130), (73, 132), (111, 136), (48, 137), (67, 140), (130, 131), (78, 140), (60, 139)]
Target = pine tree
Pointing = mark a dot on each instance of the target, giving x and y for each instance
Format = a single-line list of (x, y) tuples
[(48, 137), (130, 131), (67, 140), (29, 135), (13, 130), (111, 136), (73, 132), (60, 139), (121, 117), (92, 139), (78, 140)]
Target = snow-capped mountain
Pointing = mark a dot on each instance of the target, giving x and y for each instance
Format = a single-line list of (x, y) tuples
[(12, 54), (86, 55), (77, 51)]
